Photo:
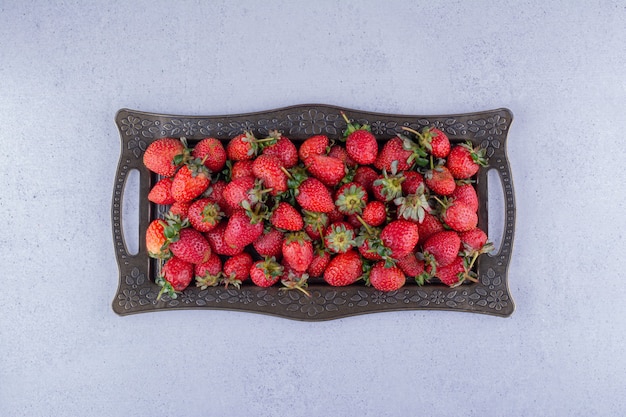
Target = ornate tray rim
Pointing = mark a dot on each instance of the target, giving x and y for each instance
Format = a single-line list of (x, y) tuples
[(137, 292)]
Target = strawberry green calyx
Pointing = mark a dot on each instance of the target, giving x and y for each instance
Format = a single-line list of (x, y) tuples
[(271, 268), (185, 156), (296, 282), (391, 185), (339, 239), (351, 200), (208, 280), (413, 206), (352, 127), (479, 155), (418, 155), (197, 167), (166, 288), (174, 223)]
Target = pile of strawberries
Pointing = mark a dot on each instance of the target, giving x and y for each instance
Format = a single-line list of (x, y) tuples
[(266, 210)]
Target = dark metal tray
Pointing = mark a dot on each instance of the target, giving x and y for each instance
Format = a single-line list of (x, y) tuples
[(137, 291)]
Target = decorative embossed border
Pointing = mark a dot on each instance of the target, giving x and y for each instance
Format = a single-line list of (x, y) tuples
[(137, 292)]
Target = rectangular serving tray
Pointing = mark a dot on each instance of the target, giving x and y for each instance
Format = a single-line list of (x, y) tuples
[(137, 291)]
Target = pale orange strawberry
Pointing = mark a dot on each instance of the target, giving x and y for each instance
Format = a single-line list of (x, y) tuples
[(156, 241)]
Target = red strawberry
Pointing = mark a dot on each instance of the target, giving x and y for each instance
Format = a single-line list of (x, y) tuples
[(458, 215), (327, 169), (428, 227), (440, 180), (344, 269), (176, 275), (385, 278), (161, 192), (465, 160), (266, 273), (453, 273), (433, 140), (339, 237), (269, 169), (211, 152), (180, 208), (393, 150), (369, 244), (474, 240), (191, 246), (361, 144), (286, 217), (164, 155), (284, 149), (190, 181), (410, 265), (204, 214), (242, 169), (156, 241), (242, 147), (237, 269), (314, 196), (388, 186), (366, 177), (339, 152), (466, 193), (270, 243), (209, 273), (318, 265), (443, 247), (315, 145), (237, 191), (215, 193), (401, 237), (351, 198), (335, 215), (240, 231), (298, 251), (218, 245), (315, 223), (412, 181)]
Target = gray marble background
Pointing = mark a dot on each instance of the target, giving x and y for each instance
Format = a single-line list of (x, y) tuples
[(66, 67)]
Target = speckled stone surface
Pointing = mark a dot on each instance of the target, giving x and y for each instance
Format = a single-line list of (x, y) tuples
[(67, 67)]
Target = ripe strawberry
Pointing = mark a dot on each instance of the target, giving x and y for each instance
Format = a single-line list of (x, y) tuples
[(393, 150), (411, 265), (218, 245), (163, 156), (335, 215), (211, 152), (240, 230), (283, 149), (321, 259), (286, 217), (242, 169), (209, 273), (365, 176), (339, 237), (442, 247), (400, 236), (314, 196), (439, 180), (466, 193), (298, 251), (270, 243), (361, 144), (315, 145), (204, 214), (176, 275), (458, 215), (413, 206), (351, 198), (375, 213), (433, 140), (339, 152), (465, 160), (475, 240), (156, 241), (161, 192), (242, 147), (180, 208), (327, 169), (315, 223), (215, 193), (191, 180), (412, 181), (269, 169), (191, 246), (238, 191), (266, 273), (428, 227), (385, 278), (388, 186), (369, 244), (452, 274), (344, 269), (237, 269)]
